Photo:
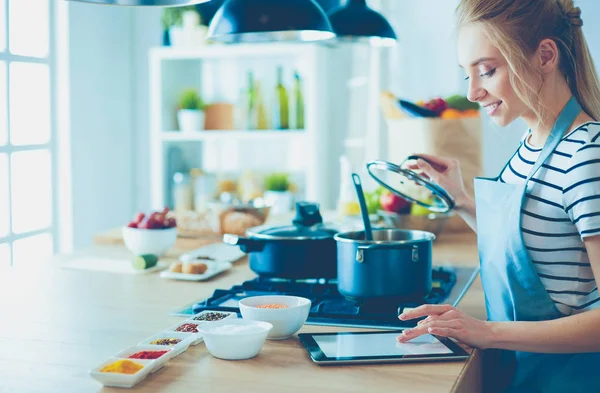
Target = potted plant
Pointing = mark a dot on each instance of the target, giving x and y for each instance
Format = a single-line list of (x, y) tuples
[(183, 27), (191, 111), (277, 193)]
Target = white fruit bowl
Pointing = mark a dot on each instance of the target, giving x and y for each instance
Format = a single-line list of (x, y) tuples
[(285, 321), (149, 241)]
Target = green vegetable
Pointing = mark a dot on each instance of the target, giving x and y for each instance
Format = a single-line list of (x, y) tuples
[(145, 261), (372, 200), (461, 103)]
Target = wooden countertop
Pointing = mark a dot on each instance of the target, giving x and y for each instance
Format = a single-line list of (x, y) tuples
[(58, 323)]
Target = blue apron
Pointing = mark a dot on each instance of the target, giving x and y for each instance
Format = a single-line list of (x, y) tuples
[(513, 290)]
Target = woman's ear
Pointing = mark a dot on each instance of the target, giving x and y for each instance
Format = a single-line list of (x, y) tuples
[(547, 55)]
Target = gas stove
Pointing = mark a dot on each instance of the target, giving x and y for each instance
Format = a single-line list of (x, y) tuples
[(329, 307)]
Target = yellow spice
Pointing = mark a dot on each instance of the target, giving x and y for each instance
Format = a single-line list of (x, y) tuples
[(122, 367)]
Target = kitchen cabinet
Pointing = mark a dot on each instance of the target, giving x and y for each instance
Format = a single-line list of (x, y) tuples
[(219, 73)]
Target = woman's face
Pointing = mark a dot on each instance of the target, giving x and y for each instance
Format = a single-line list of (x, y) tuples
[(488, 74)]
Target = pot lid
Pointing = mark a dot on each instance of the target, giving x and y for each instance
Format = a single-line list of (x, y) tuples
[(307, 224), (295, 232), (411, 186)]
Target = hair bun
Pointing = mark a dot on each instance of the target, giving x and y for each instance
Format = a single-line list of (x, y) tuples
[(574, 16)]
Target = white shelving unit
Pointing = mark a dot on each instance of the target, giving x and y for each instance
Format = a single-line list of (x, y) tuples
[(219, 73)]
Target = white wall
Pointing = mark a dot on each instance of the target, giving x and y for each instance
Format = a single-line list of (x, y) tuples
[(101, 117)]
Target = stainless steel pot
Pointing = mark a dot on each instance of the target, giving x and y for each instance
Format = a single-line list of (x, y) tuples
[(396, 263)]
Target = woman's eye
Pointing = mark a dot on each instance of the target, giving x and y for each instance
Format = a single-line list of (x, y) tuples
[(488, 74)]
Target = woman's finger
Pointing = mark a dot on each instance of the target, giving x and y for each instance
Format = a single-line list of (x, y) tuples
[(425, 310), (409, 334), (440, 162), (443, 332)]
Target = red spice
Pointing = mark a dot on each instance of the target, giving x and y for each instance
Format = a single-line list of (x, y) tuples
[(188, 327), (147, 355)]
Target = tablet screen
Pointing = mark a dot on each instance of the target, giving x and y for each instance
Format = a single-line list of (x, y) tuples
[(384, 344), (378, 346)]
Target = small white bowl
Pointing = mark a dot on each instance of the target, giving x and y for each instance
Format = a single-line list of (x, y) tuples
[(122, 380), (149, 241), (235, 339), (286, 321)]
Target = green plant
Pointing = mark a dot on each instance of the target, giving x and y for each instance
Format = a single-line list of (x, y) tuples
[(277, 182), (172, 16), (190, 99)]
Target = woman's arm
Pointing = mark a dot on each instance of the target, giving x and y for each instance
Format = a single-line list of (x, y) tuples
[(572, 334), (466, 209), (575, 333)]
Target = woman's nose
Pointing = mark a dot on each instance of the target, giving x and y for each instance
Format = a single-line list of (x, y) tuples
[(476, 92)]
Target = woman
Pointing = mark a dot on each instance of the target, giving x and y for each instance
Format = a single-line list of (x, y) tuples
[(538, 223)]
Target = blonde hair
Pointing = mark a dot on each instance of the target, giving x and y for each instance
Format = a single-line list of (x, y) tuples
[(516, 27)]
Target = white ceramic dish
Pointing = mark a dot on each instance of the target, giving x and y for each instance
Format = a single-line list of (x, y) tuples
[(235, 339), (158, 362), (213, 268), (149, 241), (199, 318), (187, 339), (121, 380), (196, 337), (286, 321), (217, 252)]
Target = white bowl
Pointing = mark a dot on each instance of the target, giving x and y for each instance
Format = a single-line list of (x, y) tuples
[(149, 241), (286, 321), (235, 339), (122, 380)]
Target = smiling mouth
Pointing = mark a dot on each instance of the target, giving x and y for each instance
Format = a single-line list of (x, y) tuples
[(491, 108)]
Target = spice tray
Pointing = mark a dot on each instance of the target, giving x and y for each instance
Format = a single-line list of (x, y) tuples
[(211, 316), (187, 327), (118, 379), (158, 362), (186, 340)]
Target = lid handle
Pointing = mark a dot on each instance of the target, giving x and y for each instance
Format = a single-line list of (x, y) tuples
[(307, 214)]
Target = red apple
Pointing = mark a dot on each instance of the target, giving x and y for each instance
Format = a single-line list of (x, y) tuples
[(170, 222), (139, 217), (391, 202), (132, 225), (160, 219)]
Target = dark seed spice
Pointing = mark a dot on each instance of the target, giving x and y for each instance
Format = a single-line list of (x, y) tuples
[(166, 341), (188, 327), (211, 316)]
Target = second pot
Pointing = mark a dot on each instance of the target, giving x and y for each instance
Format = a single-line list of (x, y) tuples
[(396, 263), (303, 250)]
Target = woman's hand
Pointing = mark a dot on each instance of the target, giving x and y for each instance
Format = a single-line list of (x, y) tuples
[(444, 320), (443, 171)]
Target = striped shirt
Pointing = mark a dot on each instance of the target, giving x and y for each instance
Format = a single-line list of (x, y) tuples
[(561, 208)]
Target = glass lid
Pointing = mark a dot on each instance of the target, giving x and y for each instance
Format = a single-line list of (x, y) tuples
[(410, 185)]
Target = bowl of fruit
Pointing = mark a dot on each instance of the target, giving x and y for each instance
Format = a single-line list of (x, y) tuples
[(152, 234)]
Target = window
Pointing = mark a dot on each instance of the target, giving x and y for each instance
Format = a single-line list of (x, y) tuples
[(27, 227)]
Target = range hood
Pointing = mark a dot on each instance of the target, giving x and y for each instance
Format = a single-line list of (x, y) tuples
[(142, 3)]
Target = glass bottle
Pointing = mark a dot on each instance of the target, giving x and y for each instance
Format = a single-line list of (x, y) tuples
[(281, 105), (251, 112), (183, 193), (299, 99), (262, 123)]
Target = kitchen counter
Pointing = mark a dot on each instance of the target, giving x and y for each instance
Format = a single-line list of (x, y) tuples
[(57, 323)]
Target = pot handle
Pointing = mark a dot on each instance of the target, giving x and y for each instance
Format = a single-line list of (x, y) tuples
[(247, 245), (361, 251)]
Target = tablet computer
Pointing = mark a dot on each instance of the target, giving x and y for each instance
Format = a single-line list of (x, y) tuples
[(378, 347)]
